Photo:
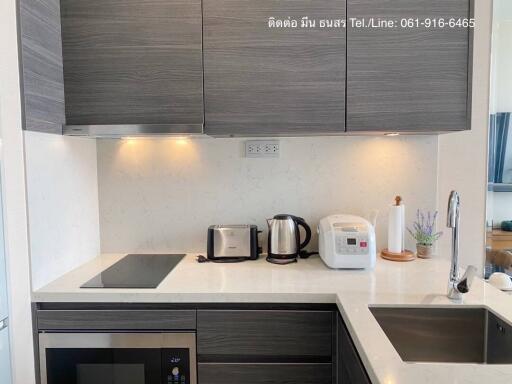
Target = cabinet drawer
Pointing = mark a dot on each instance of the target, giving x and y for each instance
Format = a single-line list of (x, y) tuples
[(233, 336), (116, 319), (210, 373)]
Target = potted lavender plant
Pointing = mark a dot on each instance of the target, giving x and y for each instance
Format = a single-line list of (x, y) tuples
[(423, 233)]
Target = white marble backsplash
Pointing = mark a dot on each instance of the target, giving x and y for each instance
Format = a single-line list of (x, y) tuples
[(161, 194)]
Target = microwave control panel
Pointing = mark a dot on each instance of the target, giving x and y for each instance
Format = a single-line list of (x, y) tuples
[(176, 366)]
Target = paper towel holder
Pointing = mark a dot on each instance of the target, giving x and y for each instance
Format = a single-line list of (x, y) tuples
[(405, 255)]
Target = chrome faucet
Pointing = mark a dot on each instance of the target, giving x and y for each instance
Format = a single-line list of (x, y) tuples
[(457, 287)]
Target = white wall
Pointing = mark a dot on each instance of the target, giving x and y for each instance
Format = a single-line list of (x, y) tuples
[(13, 177), (502, 57), (463, 156), (161, 195), (62, 191)]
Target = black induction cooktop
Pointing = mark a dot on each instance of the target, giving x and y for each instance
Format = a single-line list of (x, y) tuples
[(136, 271)]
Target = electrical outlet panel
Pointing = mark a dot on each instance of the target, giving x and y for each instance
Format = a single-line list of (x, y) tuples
[(262, 148)]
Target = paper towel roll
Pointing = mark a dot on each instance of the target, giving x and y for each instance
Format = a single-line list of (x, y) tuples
[(403, 226), (395, 228)]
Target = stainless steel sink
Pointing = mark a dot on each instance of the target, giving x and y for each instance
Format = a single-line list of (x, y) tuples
[(446, 335)]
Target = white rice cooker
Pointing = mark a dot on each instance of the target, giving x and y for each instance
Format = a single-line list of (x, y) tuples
[(347, 242)]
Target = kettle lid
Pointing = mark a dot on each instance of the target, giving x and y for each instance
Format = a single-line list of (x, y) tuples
[(284, 216)]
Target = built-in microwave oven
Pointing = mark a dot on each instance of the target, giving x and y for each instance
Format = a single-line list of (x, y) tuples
[(117, 358)]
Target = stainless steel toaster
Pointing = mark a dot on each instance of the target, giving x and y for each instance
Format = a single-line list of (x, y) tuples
[(233, 242)]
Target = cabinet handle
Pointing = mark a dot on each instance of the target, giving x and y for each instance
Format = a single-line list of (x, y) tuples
[(500, 328)]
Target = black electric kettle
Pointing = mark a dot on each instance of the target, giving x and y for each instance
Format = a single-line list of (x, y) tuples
[(284, 244)]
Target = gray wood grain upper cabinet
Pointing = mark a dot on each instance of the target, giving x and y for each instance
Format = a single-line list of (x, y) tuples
[(133, 62), (407, 79), (41, 65), (273, 81)]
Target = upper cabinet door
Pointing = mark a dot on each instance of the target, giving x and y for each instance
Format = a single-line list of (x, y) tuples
[(408, 78), (262, 80), (132, 62), (41, 64)]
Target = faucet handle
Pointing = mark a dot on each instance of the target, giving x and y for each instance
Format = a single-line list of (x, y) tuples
[(465, 282)]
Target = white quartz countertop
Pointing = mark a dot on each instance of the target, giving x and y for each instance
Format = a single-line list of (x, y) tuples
[(418, 283)]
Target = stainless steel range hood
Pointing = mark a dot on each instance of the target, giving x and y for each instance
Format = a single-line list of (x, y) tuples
[(115, 131)]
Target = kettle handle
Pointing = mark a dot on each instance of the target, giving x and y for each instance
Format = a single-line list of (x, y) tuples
[(301, 222)]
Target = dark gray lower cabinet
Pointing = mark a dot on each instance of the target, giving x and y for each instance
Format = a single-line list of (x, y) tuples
[(228, 336), (253, 344), (265, 346), (350, 369), (93, 320), (265, 373)]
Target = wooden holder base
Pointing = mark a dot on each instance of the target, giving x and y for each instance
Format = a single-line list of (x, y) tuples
[(406, 255)]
